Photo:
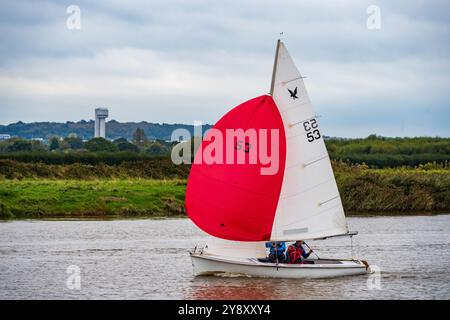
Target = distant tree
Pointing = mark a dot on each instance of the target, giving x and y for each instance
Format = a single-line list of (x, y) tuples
[(37, 146), (100, 144), (155, 148), (4, 146), (74, 142), (139, 136), (20, 145), (64, 145), (120, 140), (124, 145), (54, 143)]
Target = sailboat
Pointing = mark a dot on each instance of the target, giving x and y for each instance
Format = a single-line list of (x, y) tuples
[(242, 206)]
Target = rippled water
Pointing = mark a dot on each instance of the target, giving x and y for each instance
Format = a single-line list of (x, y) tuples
[(148, 259)]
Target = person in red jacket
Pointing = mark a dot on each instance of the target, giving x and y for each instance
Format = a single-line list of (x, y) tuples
[(296, 252)]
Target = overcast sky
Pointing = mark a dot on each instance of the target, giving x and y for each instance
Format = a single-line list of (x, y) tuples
[(180, 61)]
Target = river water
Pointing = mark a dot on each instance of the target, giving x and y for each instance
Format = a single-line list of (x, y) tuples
[(148, 259)]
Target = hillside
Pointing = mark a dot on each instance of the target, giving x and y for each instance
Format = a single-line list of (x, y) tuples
[(85, 129)]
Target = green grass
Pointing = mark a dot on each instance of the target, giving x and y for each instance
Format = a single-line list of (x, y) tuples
[(31, 198), (395, 191), (364, 190)]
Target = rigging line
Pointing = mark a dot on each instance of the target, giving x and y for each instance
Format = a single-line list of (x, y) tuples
[(321, 203), (317, 160), (351, 245), (325, 155), (274, 71), (296, 123), (311, 250), (305, 190), (286, 82), (276, 254)]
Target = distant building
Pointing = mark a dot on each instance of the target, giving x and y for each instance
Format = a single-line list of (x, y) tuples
[(5, 136), (37, 139), (100, 126)]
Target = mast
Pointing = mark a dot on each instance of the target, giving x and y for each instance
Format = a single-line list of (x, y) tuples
[(274, 71)]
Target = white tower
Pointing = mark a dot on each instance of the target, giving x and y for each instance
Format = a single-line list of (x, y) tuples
[(100, 115)]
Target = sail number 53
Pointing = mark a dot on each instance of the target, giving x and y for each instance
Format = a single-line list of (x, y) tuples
[(246, 147), (312, 131)]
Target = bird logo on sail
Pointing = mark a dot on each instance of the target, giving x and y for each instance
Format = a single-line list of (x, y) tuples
[(293, 93)]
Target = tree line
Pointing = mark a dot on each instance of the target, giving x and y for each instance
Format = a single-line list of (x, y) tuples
[(85, 129), (74, 144), (382, 152), (374, 151)]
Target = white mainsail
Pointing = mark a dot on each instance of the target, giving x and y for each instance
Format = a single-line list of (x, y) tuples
[(309, 206)]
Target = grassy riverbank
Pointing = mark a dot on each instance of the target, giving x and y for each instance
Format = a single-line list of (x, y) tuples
[(34, 198), (393, 190), (364, 191)]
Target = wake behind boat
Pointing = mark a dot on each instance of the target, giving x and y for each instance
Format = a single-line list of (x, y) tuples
[(282, 187)]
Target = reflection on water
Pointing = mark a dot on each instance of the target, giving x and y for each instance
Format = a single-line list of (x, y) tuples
[(148, 259), (252, 289)]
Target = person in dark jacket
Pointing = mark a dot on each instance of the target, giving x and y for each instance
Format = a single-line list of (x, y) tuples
[(277, 251)]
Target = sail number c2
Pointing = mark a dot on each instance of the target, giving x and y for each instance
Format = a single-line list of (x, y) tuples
[(312, 131)]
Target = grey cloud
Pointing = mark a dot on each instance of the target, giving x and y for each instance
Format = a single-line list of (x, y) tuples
[(177, 61)]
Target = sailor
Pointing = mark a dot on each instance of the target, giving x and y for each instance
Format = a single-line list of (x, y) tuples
[(297, 253), (277, 250)]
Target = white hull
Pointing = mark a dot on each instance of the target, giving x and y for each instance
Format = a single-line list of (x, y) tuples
[(218, 265)]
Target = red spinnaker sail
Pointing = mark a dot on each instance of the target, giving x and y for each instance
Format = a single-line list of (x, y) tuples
[(235, 201)]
